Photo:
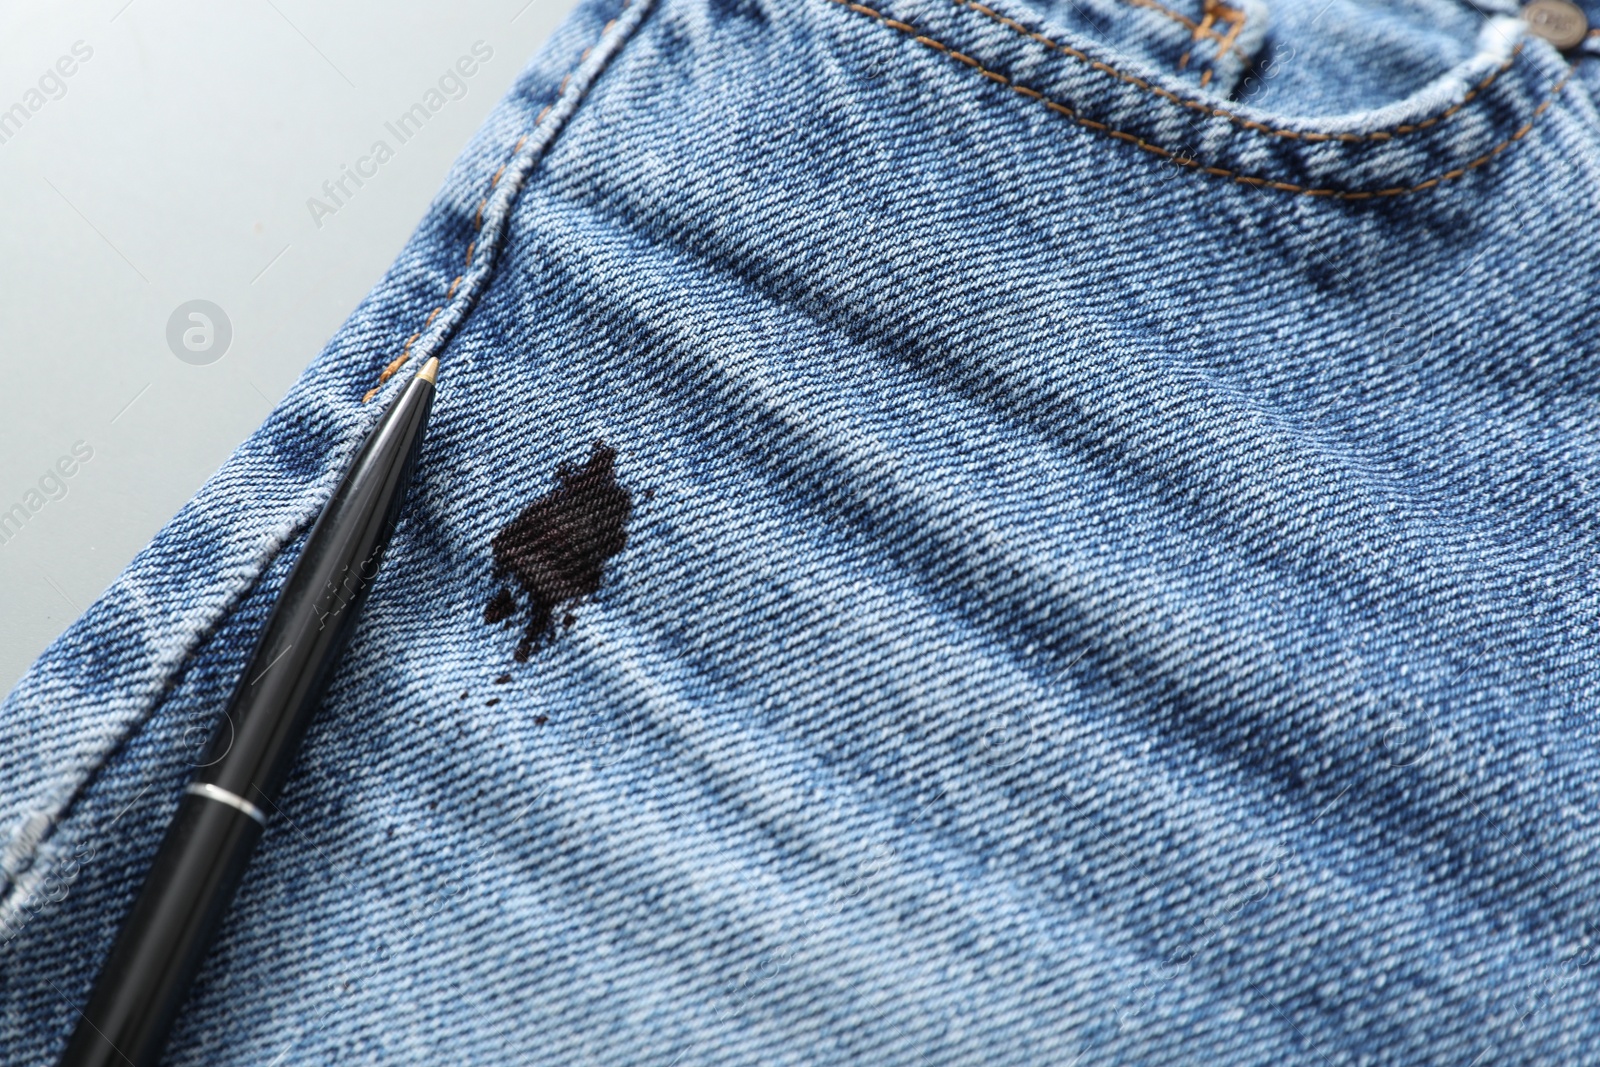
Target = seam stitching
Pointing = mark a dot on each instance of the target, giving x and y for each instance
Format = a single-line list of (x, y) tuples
[(1187, 161), (1224, 43), (172, 679), (484, 249), (1224, 113), (1205, 30), (1236, 19)]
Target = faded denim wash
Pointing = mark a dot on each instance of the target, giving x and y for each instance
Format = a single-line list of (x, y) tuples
[(1112, 573)]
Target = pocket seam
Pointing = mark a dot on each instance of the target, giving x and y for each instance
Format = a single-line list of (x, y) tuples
[(1223, 172), (1223, 113)]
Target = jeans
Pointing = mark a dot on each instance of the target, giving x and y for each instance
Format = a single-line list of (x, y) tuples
[(1096, 562)]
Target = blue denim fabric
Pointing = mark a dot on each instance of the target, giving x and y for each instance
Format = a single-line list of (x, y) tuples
[(1112, 578)]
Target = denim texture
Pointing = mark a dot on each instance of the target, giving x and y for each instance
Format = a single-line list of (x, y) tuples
[(1112, 575)]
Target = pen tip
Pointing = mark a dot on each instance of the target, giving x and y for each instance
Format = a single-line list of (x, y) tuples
[(430, 370)]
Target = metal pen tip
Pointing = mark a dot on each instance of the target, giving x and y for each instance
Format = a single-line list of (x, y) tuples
[(430, 371)]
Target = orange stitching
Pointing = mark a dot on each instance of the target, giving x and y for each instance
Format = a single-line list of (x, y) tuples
[(1224, 44), (1201, 32), (395, 365), (1221, 113), (477, 224), (1235, 19), (1222, 172)]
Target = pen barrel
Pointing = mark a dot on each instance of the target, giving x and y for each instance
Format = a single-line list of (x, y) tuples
[(164, 939), (254, 745), (202, 859)]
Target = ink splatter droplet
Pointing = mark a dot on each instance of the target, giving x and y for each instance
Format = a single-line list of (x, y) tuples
[(556, 549), (503, 679)]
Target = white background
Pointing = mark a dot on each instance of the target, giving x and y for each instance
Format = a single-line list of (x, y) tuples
[(176, 166)]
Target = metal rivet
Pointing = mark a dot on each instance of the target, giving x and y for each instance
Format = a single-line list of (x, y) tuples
[(1560, 22)]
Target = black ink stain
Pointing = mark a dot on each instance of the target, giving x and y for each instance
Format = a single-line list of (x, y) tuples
[(491, 703), (540, 720), (556, 549), (501, 606), (503, 679)]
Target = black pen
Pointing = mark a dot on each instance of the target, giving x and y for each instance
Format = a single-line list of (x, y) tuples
[(202, 859)]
